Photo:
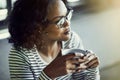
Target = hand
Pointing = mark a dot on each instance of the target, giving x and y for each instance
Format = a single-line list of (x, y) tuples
[(92, 60), (64, 65)]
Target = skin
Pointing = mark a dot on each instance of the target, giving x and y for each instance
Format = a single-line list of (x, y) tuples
[(54, 15), (54, 34), (61, 65)]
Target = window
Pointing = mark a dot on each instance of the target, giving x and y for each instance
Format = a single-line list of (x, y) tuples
[(3, 10), (75, 3)]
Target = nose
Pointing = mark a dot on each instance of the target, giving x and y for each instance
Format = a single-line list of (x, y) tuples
[(66, 23)]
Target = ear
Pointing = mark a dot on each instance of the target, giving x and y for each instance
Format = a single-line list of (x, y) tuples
[(39, 29)]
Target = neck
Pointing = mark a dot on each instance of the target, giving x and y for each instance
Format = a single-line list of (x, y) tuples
[(50, 49)]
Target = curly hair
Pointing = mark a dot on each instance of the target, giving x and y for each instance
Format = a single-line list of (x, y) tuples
[(25, 20)]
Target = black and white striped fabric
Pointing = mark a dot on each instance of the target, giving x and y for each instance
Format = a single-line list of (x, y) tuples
[(28, 65)]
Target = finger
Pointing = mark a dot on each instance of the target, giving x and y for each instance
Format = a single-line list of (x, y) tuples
[(91, 59), (70, 71), (79, 55), (87, 55), (71, 66), (81, 67), (72, 61), (95, 60), (93, 65), (76, 66), (91, 56), (69, 56), (76, 60)]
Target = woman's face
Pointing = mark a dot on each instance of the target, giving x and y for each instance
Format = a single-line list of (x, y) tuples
[(58, 29)]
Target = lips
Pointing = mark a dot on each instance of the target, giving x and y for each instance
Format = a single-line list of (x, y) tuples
[(67, 31)]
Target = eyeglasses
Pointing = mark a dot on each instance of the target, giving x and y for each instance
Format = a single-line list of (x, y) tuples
[(62, 20)]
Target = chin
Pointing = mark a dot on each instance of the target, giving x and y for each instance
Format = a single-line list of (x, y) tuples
[(66, 38)]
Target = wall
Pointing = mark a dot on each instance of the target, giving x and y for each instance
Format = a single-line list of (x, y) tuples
[(100, 33)]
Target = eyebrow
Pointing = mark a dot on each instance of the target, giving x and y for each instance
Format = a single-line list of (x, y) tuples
[(60, 16), (57, 17)]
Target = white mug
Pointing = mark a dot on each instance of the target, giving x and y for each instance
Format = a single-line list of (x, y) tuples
[(76, 51)]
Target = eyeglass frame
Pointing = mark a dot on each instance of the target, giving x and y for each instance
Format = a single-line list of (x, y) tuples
[(67, 17)]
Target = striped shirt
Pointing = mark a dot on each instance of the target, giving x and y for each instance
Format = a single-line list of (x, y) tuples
[(28, 65)]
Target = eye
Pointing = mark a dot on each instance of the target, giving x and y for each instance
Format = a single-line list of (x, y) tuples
[(69, 16), (60, 26), (61, 21)]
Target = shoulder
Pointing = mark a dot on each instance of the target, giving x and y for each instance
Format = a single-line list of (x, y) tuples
[(74, 41), (18, 54), (74, 36)]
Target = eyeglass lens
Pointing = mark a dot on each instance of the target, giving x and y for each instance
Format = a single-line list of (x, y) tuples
[(63, 19)]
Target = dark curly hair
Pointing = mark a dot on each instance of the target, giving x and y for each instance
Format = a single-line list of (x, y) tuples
[(25, 20)]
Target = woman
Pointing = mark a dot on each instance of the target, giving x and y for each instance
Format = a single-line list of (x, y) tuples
[(39, 30)]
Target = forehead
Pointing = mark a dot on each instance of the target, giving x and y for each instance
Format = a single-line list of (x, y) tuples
[(55, 9)]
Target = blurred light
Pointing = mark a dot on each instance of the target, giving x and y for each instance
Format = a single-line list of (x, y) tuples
[(3, 4), (4, 34), (3, 14), (73, 0)]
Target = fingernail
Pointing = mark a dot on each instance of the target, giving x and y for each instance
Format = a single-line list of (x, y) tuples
[(83, 65), (79, 54)]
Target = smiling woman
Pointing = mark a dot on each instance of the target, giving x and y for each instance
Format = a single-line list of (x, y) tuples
[(39, 30)]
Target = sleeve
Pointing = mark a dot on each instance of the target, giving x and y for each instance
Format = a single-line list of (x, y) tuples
[(74, 42), (89, 74), (20, 69)]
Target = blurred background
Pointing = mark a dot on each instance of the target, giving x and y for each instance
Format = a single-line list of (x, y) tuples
[(96, 22)]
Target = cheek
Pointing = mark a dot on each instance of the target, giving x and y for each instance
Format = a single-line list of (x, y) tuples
[(55, 34), (59, 36), (65, 37), (53, 30)]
